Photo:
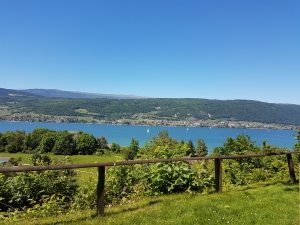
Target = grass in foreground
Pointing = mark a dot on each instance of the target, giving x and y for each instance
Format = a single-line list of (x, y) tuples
[(264, 204)]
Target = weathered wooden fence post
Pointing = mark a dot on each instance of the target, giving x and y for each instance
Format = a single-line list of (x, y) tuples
[(100, 191), (218, 175), (291, 168)]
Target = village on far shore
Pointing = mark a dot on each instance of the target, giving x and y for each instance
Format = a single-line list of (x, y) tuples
[(152, 122)]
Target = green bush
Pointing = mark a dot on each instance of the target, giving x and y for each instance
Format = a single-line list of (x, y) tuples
[(26, 189)]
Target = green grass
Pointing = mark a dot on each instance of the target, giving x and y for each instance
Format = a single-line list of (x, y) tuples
[(76, 159), (84, 173), (4, 112), (264, 204)]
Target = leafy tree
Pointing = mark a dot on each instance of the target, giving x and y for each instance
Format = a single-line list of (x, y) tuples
[(115, 147), (102, 142), (64, 144), (163, 139), (47, 143), (33, 139), (191, 146), (240, 145), (297, 145), (201, 149), (2, 143), (86, 144), (132, 150), (12, 142), (266, 148), (163, 146), (38, 159)]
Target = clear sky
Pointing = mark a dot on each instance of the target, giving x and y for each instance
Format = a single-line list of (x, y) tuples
[(214, 49)]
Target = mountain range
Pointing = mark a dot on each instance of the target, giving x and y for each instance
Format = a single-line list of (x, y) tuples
[(24, 104), (54, 93)]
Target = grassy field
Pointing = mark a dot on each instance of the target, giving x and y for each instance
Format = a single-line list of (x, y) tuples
[(84, 173), (76, 159), (264, 204)]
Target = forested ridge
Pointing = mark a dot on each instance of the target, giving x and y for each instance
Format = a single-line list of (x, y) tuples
[(156, 108)]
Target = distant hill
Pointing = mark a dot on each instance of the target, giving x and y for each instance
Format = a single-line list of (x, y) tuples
[(11, 92), (53, 93), (115, 107)]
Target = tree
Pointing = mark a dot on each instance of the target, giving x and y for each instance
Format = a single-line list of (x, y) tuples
[(102, 142), (33, 139), (3, 142), (115, 147), (47, 143), (240, 145), (191, 146), (64, 144), (297, 145), (86, 144), (201, 149), (163, 146), (37, 160), (12, 142), (132, 150)]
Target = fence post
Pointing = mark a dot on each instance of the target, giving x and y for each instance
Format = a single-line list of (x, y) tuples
[(100, 191), (291, 168), (218, 175)]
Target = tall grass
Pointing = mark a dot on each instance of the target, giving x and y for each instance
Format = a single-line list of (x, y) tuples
[(263, 204)]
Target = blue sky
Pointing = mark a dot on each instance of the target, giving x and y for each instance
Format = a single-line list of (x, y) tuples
[(243, 49)]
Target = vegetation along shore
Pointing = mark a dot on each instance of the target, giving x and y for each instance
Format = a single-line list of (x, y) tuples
[(59, 192)]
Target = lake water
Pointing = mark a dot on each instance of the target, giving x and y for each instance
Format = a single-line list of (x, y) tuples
[(122, 134)]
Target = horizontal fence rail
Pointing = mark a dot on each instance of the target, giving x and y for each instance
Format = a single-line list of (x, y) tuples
[(101, 169)]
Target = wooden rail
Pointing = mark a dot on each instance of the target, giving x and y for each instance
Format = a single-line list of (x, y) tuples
[(101, 169)]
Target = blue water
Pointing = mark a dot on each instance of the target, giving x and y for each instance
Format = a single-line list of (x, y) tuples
[(122, 134)]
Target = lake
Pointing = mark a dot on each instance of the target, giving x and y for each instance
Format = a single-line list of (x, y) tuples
[(122, 134)]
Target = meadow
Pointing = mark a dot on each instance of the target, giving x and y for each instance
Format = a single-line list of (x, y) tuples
[(84, 173), (246, 200), (263, 203)]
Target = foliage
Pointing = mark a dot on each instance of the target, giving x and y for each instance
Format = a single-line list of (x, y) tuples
[(64, 144), (12, 141), (47, 142), (201, 149), (132, 150), (86, 144), (163, 146), (192, 150), (37, 159), (102, 143), (85, 197), (245, 171), (297, 145), (26, 189), (58, 191), (122, 182), (115, 147), (162, 108), (42, 141), (177, 177), (240, 145)]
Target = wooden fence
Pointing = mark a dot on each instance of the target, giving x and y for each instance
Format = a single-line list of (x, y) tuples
[(101, 169)]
